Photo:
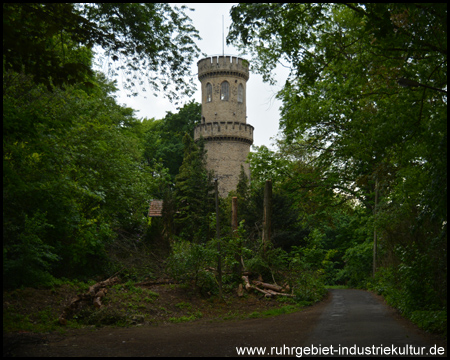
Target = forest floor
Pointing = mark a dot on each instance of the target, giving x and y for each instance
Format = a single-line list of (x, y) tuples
[(345, 317), (172, 320), (30, 316)]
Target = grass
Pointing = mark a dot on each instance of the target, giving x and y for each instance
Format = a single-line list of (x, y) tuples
[(287, 309), (336, 287), (192, 317), (183, 305), (38, 310)]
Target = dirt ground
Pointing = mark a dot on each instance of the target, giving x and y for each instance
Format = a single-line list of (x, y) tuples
[(30, 315), (198, 338), (351, 316)]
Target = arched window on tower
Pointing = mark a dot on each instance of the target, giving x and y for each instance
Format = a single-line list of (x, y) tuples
[(224, 91), (208, 92), (240, 97)]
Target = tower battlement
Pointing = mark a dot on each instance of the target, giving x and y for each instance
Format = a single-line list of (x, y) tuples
[(222, 65), (225, 131)]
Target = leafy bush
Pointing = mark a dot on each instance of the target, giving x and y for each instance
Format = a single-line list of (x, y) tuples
[(190, 263), (309, 287), (358, 265), (433, 321), (408, 287), (28, 260), (307, 283), (268, 262), (187, 264)]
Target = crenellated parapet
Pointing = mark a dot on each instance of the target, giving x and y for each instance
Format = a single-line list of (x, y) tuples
[(223, 66), (225, 131)]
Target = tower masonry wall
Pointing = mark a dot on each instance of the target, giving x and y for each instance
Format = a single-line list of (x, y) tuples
[(228, 156), (224, 121), (214, 71)]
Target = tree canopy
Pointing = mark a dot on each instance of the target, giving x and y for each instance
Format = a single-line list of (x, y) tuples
[(164, 137), (344, 101), (76, 184), (152, 45), (364, 117)]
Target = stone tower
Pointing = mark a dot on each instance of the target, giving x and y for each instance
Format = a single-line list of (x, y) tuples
[(224, 126)]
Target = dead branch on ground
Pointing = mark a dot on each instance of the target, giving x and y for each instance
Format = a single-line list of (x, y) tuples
[(269, 290), (95, 293)]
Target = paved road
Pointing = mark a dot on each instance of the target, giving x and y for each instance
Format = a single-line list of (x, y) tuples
[(346, 318), (357, 318)]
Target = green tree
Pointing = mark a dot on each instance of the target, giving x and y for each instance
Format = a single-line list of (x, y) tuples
[(75, 180), (366, 98), (193, 194), (164, 138), (151, 44), (266, 164), (342, 100), (73, 175)]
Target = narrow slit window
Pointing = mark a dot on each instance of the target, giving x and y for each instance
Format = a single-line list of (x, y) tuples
[(208, 92), (240, 94), (224, 91)]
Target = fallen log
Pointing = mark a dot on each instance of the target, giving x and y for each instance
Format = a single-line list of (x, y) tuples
[(265, 292), (269, 291), (248, 286), (268, 286), (95, 293), (102, 284), (240, 290), (247, 282), (275, 293)]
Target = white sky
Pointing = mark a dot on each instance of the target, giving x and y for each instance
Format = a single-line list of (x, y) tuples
[(262, 107)]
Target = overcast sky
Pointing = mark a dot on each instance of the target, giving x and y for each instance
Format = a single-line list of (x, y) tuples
[(262, 107)]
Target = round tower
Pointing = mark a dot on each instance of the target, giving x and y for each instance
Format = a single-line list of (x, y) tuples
[(224, 126)]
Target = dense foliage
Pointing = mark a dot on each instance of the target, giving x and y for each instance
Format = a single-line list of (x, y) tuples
[(164, 138), (150, 44), (362, 158), (72, 174), (364, 121), (75, 180)]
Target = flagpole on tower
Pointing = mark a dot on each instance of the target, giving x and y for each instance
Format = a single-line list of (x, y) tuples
[(223, 39)]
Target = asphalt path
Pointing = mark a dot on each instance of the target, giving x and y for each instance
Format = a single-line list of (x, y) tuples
[(347, 323), (358, 322)]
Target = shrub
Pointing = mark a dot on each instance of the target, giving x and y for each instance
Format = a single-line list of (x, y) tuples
[(187, 263), (358, 265), (28, 260), (433, 321), (308, 284)]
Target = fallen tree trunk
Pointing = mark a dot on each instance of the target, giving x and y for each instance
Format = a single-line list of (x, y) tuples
[(268, 286), (95, 293), (269, 291), (248, 286), (275, 293)]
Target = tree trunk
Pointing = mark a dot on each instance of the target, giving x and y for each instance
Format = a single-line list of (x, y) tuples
[(95, 293), (269, 288), (267, 214)]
